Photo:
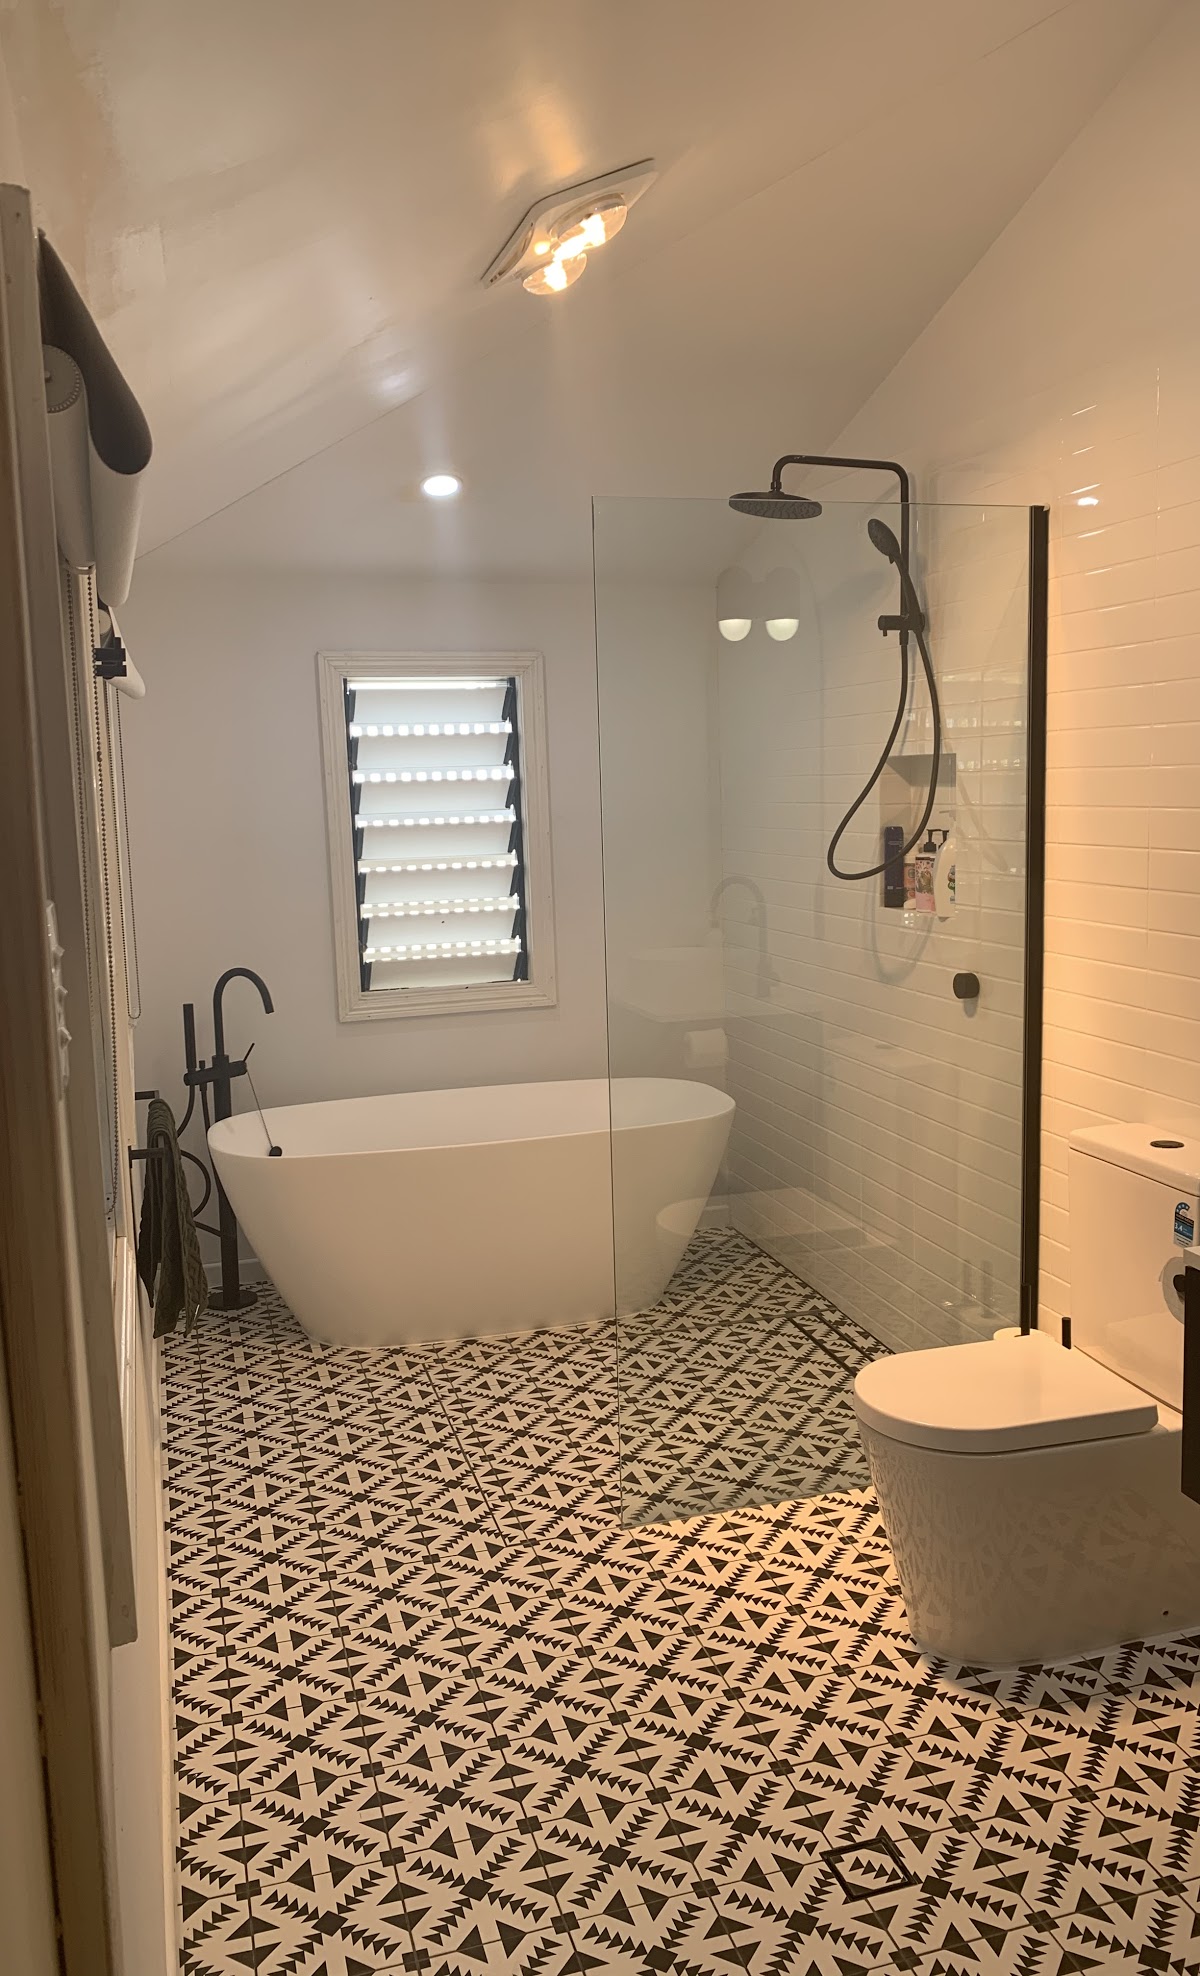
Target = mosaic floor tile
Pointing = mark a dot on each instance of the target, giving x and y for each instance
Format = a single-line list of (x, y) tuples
[(1150, 1931), (217, 1937), (1015, 1952), (439, 1710), (809, 1924), (356, 1923)]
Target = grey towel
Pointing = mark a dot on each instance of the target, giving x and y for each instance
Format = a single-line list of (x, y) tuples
[(168, 1253)]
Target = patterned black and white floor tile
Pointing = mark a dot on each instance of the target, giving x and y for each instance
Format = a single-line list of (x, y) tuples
[(735, 1389), (440, 1710)]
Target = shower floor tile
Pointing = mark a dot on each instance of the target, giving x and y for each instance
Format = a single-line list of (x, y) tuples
[(441, 1708)]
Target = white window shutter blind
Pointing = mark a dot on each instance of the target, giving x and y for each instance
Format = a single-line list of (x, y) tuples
[(434, 768)]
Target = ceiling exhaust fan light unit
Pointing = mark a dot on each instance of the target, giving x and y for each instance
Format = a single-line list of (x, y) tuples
[(549, 250)]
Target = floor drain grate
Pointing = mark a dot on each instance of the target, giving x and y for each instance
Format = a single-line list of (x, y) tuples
[(870, 1867)]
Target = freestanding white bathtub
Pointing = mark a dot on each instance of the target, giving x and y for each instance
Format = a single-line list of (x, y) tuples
[(449, 1214)]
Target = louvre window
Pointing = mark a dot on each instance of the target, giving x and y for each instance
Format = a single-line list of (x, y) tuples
[(437, 831)]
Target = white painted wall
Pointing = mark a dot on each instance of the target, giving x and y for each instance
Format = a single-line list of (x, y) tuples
[(1066, 369), (228, 827), (12, 159)]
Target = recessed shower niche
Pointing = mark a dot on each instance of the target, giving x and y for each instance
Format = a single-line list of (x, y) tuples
[(875, 1189), (926, 880)]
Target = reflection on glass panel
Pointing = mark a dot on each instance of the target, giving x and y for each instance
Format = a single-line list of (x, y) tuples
[(835, 1128)]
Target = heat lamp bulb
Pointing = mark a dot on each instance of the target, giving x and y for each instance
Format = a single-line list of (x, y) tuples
[(562, 272)]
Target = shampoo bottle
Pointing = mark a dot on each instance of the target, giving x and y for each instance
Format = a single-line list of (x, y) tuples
[(944, 875), (923, 865)]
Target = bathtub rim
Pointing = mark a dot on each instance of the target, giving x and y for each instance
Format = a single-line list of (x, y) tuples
[(226, 1136)]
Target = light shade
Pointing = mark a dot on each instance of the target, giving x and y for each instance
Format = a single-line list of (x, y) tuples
[(441, 486), (735, 604), (781, 603)]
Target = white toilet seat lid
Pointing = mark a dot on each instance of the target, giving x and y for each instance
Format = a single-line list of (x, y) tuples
[(1003, 1394)]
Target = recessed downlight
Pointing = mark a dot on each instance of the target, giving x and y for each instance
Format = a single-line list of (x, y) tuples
[(441, 486)]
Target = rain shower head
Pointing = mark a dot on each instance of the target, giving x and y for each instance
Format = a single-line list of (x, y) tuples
[(909, 622), (886, 543), (775, 505)]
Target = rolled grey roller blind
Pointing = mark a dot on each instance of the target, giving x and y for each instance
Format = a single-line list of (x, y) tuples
[(99, 440)]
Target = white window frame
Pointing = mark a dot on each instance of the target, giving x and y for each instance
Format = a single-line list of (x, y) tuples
[(356, 1004)]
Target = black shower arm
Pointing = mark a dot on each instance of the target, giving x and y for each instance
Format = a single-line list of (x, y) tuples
[(835, 460)]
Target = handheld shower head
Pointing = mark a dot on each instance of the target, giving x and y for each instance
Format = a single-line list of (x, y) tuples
[(882, 539), (775, 505)]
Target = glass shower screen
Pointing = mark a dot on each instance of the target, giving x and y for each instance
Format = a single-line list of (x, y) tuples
[(817, 1122)]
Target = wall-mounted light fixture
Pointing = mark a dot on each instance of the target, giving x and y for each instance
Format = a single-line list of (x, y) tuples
[(773, 601), (548, 251), (781, 604), (735, 604)]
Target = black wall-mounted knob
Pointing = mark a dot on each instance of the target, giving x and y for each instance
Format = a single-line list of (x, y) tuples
[(966, 987)]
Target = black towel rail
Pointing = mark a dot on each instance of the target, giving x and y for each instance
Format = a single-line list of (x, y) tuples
[(153, 1152)]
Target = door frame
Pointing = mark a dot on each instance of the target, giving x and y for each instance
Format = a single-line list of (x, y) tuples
[(47, 1274)]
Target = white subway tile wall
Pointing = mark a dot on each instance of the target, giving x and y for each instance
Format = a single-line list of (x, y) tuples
[(1066, 369)]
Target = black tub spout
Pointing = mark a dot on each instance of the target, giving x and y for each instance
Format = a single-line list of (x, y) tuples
[(231, 974)]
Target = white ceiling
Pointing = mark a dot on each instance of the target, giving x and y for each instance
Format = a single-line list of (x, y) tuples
[(279, 212)]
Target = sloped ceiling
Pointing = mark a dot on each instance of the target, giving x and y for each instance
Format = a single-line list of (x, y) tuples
[(279, 211)]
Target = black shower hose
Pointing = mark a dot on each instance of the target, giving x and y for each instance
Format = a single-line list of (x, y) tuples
[(913, 608)]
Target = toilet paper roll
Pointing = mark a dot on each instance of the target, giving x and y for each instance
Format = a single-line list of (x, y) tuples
[(705, 1049)]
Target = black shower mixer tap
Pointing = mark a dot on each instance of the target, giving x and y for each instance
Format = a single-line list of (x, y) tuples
[(220, 1075)]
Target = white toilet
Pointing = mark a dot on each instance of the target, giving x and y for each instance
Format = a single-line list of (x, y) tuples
[(1031, 1494)]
